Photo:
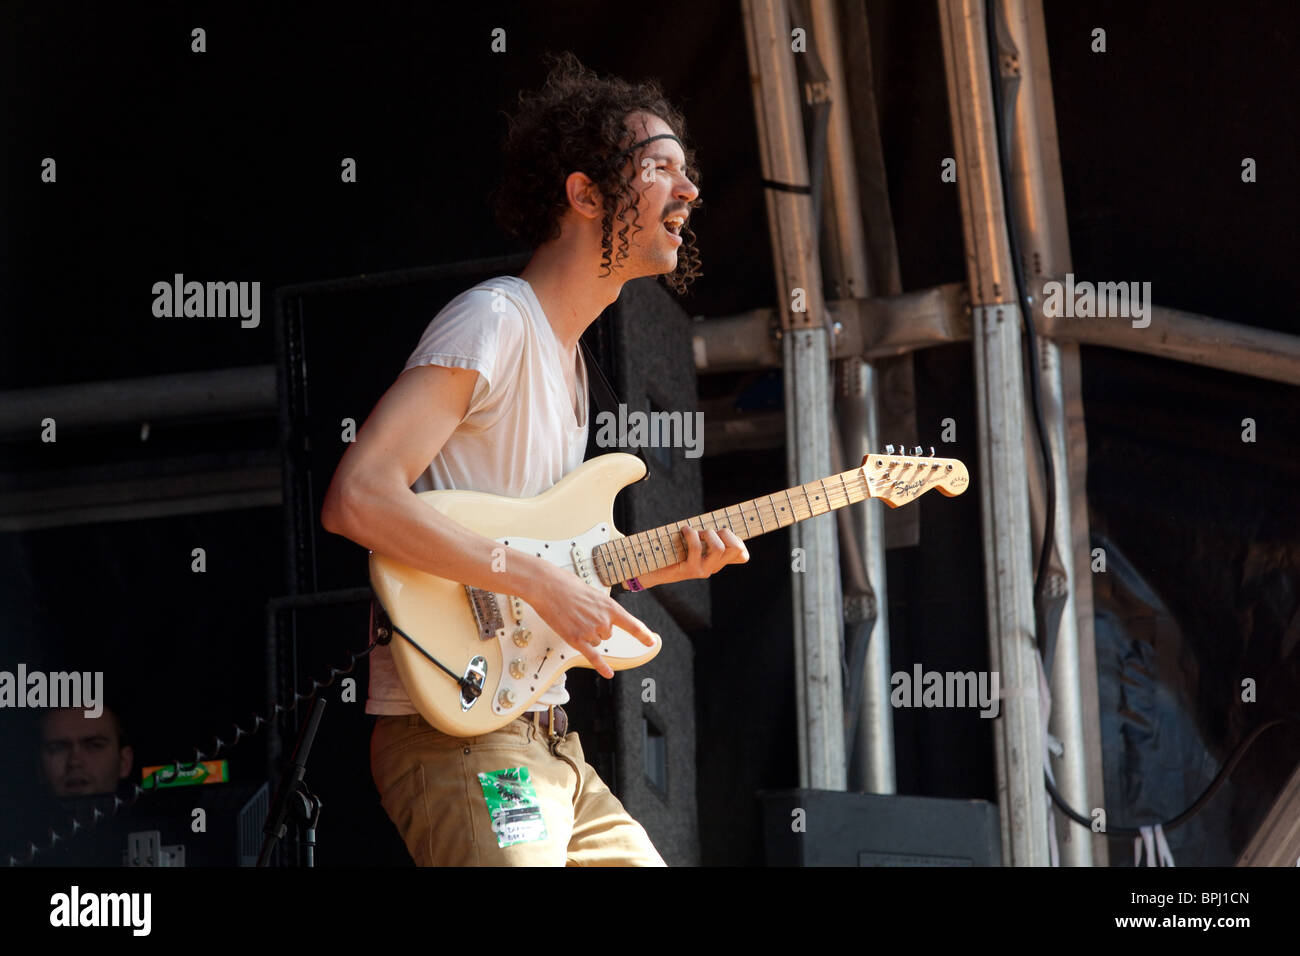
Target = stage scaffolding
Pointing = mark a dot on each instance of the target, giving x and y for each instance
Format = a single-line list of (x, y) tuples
[(855, 317)]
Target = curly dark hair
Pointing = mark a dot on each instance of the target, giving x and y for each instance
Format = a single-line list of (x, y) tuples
[(577, 122)]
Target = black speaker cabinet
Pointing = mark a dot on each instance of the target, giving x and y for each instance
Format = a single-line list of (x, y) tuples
[(654, 729), (648, 746), (830, 828), (648, 345)]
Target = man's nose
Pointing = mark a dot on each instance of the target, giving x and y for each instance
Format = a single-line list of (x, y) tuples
[(688, 191)]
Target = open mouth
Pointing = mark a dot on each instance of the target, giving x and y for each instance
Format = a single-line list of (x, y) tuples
[(673, 226)]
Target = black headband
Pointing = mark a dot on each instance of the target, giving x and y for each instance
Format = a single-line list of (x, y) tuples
[(618, 158)]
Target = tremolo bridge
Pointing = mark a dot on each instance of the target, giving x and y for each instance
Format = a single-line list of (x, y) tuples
[(487, 613)]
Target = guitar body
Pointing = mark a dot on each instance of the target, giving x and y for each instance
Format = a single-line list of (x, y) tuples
[(510, 650)]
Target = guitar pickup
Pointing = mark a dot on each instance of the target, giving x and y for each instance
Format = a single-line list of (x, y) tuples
[(487, 613), (580, 564)]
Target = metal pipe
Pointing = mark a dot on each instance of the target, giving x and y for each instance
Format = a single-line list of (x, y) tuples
[(869, 328), (1004, 505), (805, 354), (895, 325), (862, 529), (1184, 336), (873, 755), (225, 393), (1039, 204)]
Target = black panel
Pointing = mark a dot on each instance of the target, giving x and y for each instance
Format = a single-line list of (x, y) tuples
[(828, 828)]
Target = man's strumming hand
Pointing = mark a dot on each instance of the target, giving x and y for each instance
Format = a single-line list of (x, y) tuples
[(582, 615)]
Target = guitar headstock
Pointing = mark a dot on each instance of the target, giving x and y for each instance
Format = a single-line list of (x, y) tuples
[(897, 479)]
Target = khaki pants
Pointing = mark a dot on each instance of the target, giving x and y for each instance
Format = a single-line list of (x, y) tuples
[(430, 787)]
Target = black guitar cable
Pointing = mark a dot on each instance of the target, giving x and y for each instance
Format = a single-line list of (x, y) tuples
[(467, 686), (1198, 804)]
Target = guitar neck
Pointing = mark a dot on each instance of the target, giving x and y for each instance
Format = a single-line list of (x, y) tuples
[(628, 557)]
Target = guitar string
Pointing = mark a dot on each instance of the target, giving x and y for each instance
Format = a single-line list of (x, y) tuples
[(835, 499)]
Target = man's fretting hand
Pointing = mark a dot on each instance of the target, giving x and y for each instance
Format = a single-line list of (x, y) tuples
[(706, 555)]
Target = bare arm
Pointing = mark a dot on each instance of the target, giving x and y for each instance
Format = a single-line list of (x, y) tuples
[(370, 502)]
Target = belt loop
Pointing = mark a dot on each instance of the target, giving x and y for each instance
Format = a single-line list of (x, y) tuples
[(550, 721)]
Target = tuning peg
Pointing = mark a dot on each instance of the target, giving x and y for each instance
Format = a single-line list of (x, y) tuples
[(918, 451), (931, 451), (889, 449)]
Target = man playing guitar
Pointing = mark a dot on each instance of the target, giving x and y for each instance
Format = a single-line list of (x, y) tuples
[(494, 399)]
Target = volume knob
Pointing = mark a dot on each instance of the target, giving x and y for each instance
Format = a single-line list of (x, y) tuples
[(506, 698), (522, 636), (517, 668)]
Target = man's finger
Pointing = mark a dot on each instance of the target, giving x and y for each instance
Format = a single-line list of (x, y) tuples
[(716, 556), (598, 662), (737, 552), (633, 626), (715, 546)]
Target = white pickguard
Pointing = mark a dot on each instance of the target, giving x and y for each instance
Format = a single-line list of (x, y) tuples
[(546, 652)]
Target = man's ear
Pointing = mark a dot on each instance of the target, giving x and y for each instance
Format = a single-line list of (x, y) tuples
[(125, 761), (583, 195)]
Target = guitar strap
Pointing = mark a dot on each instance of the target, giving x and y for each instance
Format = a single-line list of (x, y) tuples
[(601, 391), (605, 399)]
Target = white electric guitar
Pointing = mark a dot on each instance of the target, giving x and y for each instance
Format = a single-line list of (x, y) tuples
[(474, 660)]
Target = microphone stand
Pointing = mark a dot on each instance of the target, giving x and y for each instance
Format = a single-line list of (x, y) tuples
[(293, 793)]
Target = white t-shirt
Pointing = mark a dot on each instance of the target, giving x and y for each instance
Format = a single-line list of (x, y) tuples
[(521, 433)]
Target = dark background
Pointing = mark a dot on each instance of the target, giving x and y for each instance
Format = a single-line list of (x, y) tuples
[(225, 166)]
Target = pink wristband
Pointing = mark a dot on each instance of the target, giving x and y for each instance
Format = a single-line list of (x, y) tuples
[(634, 585)]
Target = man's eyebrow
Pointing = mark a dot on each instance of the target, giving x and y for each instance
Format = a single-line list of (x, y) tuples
[(666, 158)]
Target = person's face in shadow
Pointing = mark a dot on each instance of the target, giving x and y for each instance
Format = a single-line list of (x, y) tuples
[(82, 755)]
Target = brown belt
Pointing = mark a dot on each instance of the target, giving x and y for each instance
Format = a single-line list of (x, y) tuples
[(554, 720)]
